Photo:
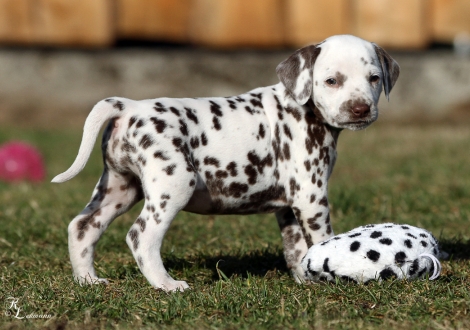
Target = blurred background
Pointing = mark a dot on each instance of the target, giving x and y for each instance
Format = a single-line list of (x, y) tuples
[(59, 57)]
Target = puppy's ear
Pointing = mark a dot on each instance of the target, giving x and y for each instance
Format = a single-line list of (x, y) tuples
[(296, 73), (390, 69)]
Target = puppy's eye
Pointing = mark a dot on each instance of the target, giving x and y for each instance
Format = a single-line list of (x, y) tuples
[(374, 78), (331, 81)]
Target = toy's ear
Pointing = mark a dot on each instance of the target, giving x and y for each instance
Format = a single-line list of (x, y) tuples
[(296, 73), (390, 69)]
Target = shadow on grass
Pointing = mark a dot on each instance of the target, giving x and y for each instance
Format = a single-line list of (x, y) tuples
[(458, 248), (264, 263), (256, 263)]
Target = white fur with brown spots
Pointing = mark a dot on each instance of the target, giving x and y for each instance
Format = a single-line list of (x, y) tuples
[(269, 150)]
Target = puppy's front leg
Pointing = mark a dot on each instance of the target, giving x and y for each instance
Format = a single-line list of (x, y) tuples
[(305, 224), (295, 246)]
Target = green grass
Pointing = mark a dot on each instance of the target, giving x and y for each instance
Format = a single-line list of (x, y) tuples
[(234, 264)]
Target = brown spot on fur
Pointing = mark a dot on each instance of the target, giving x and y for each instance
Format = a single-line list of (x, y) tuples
[(159, 154), (287, 131), (256, 103), (141, 223), (232, 104), (232, 168), (251, 173), (312, 198), (211, 161), (286, 151), (215, 109), (191, 115), (269, 194), (261, 131), (132, 121), (279, 108), (119, 105), (340, 78), (194, 142), (150, 208), (170, 169), (177, 142), (142, 160), (294, 186), (221, 174), (308, 167), (294, 112), (203, 139), (183, 128), (139, 124), (134, 236), (328, 230), (312, 222), (175, 111), (159, 107), (146, 141), (237, 189), (324, 201), (128, 147), (84, 224), (258, 162), (159, 124), (216, 123), (276, 174)]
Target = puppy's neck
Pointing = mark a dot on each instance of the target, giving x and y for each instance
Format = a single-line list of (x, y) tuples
[(312, 109)]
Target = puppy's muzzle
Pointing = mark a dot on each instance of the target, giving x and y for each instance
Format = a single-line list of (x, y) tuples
[(360, 110)]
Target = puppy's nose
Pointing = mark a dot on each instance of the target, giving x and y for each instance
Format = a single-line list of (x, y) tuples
[(360, 110)]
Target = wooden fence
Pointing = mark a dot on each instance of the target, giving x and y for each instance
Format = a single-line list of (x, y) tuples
[(401, 24)]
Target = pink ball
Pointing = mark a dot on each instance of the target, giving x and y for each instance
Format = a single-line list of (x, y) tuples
[(20, 161)]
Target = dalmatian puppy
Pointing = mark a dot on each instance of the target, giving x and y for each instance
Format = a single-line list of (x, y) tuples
[(374, 252), (269, 150)]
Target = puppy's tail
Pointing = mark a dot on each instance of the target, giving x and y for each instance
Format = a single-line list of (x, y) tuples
[(101, 112)]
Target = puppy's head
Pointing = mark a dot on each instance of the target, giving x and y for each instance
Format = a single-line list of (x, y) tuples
[(344, 76)]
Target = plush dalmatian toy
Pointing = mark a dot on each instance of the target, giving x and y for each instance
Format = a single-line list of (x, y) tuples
[(374, 252)]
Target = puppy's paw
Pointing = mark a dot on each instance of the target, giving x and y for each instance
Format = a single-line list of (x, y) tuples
[(88, 280), (100, 281), (173, 286), (299, 275)]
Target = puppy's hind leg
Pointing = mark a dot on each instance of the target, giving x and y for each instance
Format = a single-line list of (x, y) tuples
[(164, 198), (113, 195)]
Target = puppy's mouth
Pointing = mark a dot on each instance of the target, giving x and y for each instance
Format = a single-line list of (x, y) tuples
[(356, 125)]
